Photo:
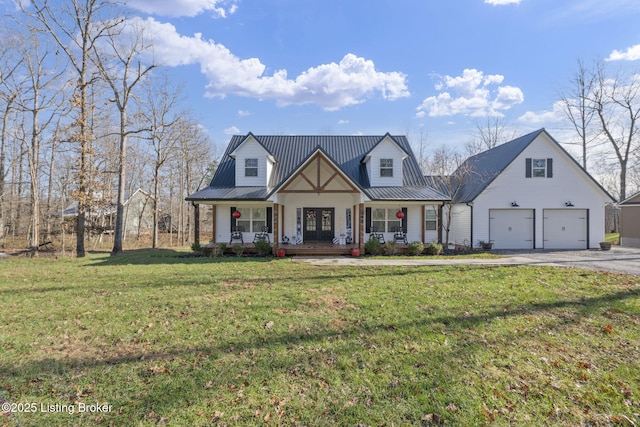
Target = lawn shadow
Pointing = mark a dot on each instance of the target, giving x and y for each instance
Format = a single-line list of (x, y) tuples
[(170, 256), (275, 342)]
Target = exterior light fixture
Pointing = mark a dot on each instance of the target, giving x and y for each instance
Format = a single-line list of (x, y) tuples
[(515, 205), (569, 204)]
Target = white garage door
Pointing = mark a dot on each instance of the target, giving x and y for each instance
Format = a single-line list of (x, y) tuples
[(511, 228), (565, 228)]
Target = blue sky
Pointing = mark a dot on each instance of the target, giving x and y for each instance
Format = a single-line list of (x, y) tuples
[(436, 67)]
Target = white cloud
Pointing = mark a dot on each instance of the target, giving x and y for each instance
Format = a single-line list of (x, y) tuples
[(331, 86), (556, 114), (470, 94), (501, 2), (631, 54), (232, 130), (244, 113), (175, 8), (343, 122)]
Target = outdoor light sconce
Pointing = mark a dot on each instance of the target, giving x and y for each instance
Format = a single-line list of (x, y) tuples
[(515, 205), (569, 204)]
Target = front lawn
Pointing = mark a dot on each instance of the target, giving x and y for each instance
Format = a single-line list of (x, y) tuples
[(171, 340)]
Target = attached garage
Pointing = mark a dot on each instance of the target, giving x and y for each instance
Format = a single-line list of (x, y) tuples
[(511, 228), (565, 228)]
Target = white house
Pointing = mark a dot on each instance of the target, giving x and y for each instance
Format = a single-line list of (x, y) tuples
[(630, 221), (528, 193), (321, 189), (525, 194)]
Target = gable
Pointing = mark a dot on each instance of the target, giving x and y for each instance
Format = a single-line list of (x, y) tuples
[(318, 175), (384, 163), (543, 169)]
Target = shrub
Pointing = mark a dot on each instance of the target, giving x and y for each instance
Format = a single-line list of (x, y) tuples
[(373, 247), (195, 247), (434, 248), (263, 248), (219, 249), (238, 249), (415, 248), (391, 248)]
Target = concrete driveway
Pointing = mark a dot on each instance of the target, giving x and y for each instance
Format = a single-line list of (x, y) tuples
[(620, 260)]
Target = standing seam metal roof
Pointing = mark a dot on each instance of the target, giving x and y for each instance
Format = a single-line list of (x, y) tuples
[(291, 151)]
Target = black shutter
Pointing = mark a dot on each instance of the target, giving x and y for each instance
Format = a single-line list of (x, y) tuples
[(270, 219), (404, 220), (549, 168), (367, 220), (527, 172), (233, 220)]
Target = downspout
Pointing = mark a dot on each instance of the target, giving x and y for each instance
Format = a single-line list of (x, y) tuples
[(471, 206)]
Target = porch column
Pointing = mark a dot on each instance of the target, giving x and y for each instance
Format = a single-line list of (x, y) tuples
[(276, 227), (440, 223), (214, 217), (196, 223), (361, 228)]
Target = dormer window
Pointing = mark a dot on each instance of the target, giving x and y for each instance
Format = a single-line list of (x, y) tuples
[(250, 167), (386, 167)]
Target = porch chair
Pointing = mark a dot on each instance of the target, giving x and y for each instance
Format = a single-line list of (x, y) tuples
[(237, 236), (262, 235), (376, 235), (400, 236)]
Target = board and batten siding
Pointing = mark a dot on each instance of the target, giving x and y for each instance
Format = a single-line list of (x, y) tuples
[(569, 183), (251, 149), (386, 149), (460, 227)]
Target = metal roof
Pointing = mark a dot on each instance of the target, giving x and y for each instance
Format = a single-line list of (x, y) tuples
[(291, 151)]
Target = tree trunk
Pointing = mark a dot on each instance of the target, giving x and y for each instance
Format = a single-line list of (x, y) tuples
[(122, 166)]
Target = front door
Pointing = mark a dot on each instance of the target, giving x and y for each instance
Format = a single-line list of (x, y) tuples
[(318, 224)]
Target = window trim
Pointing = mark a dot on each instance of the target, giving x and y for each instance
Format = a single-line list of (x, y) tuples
[(389, 217), (251, 219), (538, 171), (433, 220), (251, 168), (387, 168)]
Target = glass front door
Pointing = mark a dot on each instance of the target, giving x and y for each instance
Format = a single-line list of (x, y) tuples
[(318, 224)]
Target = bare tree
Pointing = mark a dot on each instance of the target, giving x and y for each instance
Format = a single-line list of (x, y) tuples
[(76, 26), (40, 100), (616, 101), (9, 90), (122, 72), (160, 113), (489, 134), (577, 106)]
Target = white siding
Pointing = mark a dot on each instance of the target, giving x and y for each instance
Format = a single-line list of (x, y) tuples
[(250, 149), (460, 226), (387, 149), (223, 222), (568, 184)]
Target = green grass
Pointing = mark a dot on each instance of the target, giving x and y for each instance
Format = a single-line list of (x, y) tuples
[(171, 340)]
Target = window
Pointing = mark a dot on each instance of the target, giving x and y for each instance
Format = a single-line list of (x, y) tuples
[(431, 219), (539, 168), (385, 220), (386, 167), (252, 219), (250, 167)]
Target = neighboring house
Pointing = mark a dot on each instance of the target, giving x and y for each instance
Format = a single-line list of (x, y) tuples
[(528, 193), (315, 189), (630, 221), (137, 214)]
